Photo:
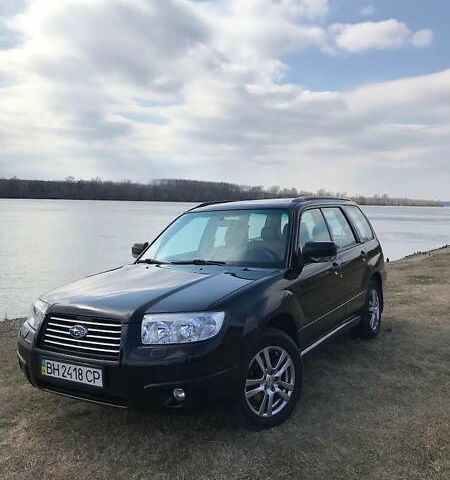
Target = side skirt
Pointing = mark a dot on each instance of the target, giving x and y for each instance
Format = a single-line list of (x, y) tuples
[(351, 322)]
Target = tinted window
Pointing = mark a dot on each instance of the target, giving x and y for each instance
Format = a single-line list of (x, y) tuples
[(360, 223), (313, 228), (340, 229)]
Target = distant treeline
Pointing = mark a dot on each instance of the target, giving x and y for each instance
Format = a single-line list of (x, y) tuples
[(169, 190)]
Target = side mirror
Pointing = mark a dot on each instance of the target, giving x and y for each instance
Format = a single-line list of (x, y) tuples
[(316, 252), (138, 248)]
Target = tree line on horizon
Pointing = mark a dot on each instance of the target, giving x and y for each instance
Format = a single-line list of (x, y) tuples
[(171, 190)]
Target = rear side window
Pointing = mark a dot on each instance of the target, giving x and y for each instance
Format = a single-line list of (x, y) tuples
[(313, 228), (340, 229), (360, 223)]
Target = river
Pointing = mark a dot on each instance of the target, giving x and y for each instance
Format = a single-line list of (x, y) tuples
[(45, 243)]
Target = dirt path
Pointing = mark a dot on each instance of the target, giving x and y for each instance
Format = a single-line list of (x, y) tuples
[(370, 410)]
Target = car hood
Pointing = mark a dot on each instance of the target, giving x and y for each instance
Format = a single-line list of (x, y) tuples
[(126, 293)]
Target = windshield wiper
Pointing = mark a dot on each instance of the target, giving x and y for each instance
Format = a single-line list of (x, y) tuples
[(198, 261), (151, 261)]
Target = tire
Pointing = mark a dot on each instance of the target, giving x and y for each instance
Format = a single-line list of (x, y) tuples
[(269, 395), (371, 313)]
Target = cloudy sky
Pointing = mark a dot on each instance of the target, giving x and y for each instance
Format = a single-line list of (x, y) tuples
[(347, 95)]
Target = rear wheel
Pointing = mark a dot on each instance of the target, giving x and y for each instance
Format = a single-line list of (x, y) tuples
[(371, 315), (273, 382)]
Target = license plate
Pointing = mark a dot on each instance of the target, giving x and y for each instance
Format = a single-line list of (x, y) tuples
[(72, 373)]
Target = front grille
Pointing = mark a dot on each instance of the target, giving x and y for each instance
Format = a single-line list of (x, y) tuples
[(102, 340)]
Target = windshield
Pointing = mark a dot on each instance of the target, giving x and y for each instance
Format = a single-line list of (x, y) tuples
[(234, 237)]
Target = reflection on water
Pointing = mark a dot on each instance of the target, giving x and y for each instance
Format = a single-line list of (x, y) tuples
[(44, 243)]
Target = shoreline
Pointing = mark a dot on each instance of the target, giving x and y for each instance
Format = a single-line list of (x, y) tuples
[(420, 254), (197, 202)]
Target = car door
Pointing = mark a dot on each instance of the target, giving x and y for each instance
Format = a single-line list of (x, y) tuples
[(351, 259), (364, 232), (317, 283)]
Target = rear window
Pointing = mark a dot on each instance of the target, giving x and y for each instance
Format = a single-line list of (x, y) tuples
[(360, 223)]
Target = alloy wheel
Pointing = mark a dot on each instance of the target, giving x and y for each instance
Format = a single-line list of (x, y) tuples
[(270, 381), (374, 309)]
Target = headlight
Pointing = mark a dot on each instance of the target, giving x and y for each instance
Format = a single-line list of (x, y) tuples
[(163, 328), (37, 314)]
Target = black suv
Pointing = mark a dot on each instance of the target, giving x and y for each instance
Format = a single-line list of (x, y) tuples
[(223, 303)]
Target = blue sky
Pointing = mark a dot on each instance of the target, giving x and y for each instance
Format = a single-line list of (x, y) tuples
[(346, 71), (347, 95)]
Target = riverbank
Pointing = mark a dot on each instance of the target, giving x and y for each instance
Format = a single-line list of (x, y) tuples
[(372, 410), (172, 190)]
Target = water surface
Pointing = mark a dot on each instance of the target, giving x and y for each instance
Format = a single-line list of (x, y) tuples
[(45, 243)]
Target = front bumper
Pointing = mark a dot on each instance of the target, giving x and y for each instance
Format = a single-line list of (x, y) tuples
[(147, 377)]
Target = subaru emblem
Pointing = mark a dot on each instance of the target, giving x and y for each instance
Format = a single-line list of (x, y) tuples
[(78, 331)]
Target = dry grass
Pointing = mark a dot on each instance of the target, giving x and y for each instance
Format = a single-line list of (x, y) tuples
[(370, 410)]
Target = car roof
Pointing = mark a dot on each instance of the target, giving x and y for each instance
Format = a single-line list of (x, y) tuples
[(269, 203)]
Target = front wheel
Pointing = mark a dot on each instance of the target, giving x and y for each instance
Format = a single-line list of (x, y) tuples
[(371, 314), (273, 382)]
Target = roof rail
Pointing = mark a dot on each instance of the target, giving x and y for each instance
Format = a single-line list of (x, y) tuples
[(318, 197), (205, 204)]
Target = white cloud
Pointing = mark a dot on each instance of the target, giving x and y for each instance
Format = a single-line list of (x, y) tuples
[(386, 34), (368, 10), (137, 89), (422, 38)]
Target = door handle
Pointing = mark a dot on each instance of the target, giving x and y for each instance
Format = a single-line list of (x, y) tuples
[(336, 267), (363, 255)]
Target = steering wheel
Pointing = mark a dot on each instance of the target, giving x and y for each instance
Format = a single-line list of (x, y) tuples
[(259, 251)]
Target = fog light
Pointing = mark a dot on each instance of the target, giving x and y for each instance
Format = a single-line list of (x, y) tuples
[(179, 394)]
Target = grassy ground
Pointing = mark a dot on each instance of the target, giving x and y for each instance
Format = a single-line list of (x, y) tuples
[(370, 410)]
